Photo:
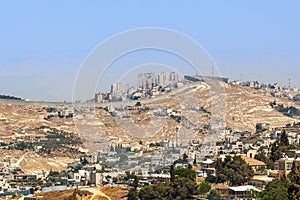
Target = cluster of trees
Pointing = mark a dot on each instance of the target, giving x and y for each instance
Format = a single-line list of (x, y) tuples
[(181, 186), (54, 140), (9, 97), (293, 182), (277, 149), (78, 194), (275, 190), (290, 111), (287, 189), (297, 97), (233, 170), (262, 157), (280, 146)]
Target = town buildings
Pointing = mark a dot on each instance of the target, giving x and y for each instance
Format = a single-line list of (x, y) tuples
[(149, 84), (119, 91)]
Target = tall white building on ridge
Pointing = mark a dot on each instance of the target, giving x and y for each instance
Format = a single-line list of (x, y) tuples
[(150, 80), (147, 80), (119, 91)]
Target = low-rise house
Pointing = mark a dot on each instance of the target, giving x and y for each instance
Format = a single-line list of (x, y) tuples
[(237, 147), (241, 191), (284, 166), (256, 165), (95, 179), (161, 177), (261, 180), (25, 177), (292, 153), (251, 153), (207, 167)]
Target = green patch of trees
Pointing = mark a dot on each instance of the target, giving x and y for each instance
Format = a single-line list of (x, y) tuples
[(262, 157), (275, 190), (233, 170), (181, 186), (204, 188), (280, 146), (214, 195), (289, 187), (188, 173), (293, 182)]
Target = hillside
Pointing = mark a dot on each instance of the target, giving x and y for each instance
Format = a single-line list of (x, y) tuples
[(188, 109), (244, 108)]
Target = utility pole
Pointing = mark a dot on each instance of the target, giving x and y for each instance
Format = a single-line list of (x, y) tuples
[(212, 68), (241, 79)]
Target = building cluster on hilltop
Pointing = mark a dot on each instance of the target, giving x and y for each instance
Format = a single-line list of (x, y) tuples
[(288, 92), (149, 84)]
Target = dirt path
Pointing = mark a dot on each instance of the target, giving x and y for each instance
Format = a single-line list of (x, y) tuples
[(96, 192), (21, 159)]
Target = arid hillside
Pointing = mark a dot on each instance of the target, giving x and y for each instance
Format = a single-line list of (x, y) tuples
[(40, 127), (246, 107)]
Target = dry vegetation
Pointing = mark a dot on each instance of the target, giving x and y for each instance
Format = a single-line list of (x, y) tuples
[(115, 193), (78, 194)]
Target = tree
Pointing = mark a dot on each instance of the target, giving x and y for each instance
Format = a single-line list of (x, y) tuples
[(132, 194), (84, 161), (210, 178), (115, 179), (158, 191), (195, 161), (204, 188), (128, 176), (185, 173), (262, 157), (234, 170), (172, 174), (182, 188), (275, 152), (214, 195), (54, 173), (220, 171), (185, 157), (284, 141), (135, 183), (293, 182), (280, 146), (275, 190)]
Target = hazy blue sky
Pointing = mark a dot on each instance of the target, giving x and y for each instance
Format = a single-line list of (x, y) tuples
[(43, 43)]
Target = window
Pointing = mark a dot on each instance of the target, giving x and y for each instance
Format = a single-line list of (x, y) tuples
[(289, 166), (281, 166)]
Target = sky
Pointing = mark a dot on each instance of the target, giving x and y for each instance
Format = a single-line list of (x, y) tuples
[(44, 43)]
